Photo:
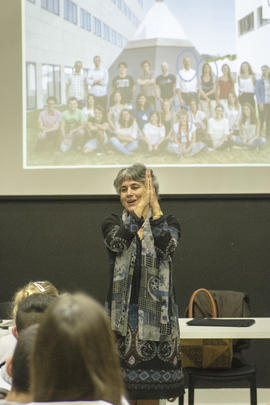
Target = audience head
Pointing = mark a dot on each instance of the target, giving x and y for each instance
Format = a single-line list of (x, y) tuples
[(19, 363), (75, 356), (33, 287), (31, 310), (135, 172)]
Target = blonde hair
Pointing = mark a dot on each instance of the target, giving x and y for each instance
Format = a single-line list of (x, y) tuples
[(33, 287)]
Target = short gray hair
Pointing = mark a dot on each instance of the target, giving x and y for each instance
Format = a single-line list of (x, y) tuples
[(135, 172)]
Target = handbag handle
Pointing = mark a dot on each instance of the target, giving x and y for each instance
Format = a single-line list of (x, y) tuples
[(212, 302)]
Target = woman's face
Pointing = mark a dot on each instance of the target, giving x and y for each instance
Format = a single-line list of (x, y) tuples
[(131, 192), (219, 113), (183, 119), (154, 119), (246, 111), (225, 69), (231, 98), (193, 106), (117, 97), (126, 116), (91, 100), (142, 100), (206, 69), (244, 68), (98, 115)]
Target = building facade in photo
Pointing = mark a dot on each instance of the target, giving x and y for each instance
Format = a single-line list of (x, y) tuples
[(253, 32), (59, 32)]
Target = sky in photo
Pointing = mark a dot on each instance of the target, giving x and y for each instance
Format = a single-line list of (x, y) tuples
[(209, 24)]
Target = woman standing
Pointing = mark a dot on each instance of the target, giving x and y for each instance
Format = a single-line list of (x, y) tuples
[(225, 85), (141, 301), (207, 90), (246, 85)]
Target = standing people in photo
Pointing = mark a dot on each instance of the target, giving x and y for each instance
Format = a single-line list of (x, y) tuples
[(263, 99), (147, 83), (225, 85), (246, 85), (186, 83), (207, 90), (97, 82), (165, 84), (124, 83), (76, 85)]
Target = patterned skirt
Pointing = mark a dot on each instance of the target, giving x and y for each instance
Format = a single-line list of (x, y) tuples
[(151, 370)]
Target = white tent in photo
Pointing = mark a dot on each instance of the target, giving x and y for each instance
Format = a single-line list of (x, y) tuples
[(160, 37)]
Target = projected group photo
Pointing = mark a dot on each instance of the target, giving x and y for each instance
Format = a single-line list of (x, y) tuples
[(105, 95)]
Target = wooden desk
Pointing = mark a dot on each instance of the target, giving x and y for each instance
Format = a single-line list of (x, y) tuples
[(259, 330)]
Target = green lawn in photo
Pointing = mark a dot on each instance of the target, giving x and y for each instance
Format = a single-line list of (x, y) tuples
[(76, 158)]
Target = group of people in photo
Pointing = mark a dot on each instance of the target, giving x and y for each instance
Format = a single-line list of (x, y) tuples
[(182, 115)]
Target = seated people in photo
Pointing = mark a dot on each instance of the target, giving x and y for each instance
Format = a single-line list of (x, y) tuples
[(165, 84), (207, 90), (97, 82), (18, 367), (154, 132), (124, 83), (233, 113), (199, 120), (72, 127), (186, 83), (89, 109), (8, 342), (97, 133), (147, 83), (115, 110), (125, 139), (142, 111), (249, 136), (224, 86), (76, 85), (75, 357), (246, 84), (30, 311), (182, 138), (49, 127), (263, 99), (218, 130)]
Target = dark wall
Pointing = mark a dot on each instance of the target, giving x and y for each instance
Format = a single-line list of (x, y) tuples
[(225, 245)]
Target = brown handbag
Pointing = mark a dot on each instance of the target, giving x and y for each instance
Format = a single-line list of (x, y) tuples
[(205, 353)]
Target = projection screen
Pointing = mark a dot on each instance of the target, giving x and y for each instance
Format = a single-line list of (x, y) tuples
[(28, 172)]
